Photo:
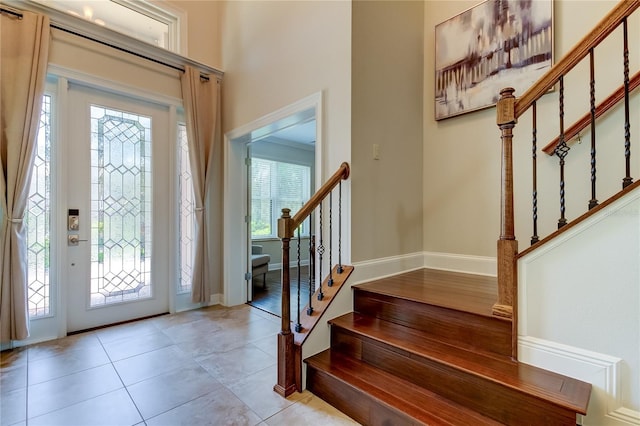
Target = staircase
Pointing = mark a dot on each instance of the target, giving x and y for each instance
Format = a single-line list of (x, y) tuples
[(423, 348), (439, 348)]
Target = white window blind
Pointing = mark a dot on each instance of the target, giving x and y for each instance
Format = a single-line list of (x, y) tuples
[(276, 185)]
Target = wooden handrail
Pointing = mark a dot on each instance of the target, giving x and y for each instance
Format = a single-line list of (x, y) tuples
[(602, 108), (287, 229), (610, 22)]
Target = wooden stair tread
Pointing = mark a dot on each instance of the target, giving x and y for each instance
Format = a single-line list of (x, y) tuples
[(464, 292), (555, 388), (414, 401)]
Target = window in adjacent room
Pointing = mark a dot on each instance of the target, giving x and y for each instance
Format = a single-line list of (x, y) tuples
[(274, 186)]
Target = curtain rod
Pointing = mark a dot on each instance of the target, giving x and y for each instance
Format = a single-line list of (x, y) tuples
[(11, 12), (177, 68)]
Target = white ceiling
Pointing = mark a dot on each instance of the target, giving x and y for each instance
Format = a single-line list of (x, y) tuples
[(304, 133)]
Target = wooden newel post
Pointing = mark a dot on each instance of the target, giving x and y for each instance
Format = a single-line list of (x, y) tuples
[(286, 352), (507, 244)]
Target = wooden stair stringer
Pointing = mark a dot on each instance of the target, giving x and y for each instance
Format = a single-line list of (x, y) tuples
[(577, 221), (309, 322)]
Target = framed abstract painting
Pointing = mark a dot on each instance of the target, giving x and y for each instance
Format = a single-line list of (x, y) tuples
[(496, 44)]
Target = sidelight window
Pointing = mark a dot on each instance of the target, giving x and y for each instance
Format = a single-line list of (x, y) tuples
[(38, 220)]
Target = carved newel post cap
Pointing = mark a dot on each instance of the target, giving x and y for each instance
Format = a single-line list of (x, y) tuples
[(284, 224), (507, 92), (505, 108)]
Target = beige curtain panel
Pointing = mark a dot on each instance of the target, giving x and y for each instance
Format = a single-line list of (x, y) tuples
[(24, 52), (201, 99)]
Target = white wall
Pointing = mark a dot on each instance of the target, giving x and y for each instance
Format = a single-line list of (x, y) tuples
[(579, 309)]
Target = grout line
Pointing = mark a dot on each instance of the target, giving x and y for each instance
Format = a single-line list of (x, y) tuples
[(121, 381), (223, 386)]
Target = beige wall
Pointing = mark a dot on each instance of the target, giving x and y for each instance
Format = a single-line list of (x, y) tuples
[(386, 110), (276, 53), (203, 30), (462, 154), (75, 54)]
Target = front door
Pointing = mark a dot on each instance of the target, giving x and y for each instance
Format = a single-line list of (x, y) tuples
[(117, 180)]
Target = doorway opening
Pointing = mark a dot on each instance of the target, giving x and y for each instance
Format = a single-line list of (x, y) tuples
[(280, 175), (266, 162)]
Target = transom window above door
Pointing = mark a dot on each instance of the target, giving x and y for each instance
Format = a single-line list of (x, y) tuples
[(142, 20)]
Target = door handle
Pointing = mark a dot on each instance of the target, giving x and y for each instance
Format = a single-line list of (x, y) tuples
[(74, 239)]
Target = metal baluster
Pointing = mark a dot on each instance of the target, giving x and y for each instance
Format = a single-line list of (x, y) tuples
[(330, 281), (627, 125), (320, 253), (312, 268), (534, 157), (340, 269), (593, 201), (298, 326), (561, 151)]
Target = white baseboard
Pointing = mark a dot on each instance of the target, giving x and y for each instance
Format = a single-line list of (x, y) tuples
[(479, 265), (624, 416), (28, 341), (278, 266), (379, 268), (215, 299), (601, 370)]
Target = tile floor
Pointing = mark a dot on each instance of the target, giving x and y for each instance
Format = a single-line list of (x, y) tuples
[(212, 366)]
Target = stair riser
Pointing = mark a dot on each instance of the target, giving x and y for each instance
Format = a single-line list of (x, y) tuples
[(486, 397), (466, 330), (358, 405)]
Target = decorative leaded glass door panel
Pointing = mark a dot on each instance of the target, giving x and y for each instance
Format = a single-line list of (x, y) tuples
[(115, 149)]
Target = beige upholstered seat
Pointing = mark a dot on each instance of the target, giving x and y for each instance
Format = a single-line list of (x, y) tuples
[(259, 263)]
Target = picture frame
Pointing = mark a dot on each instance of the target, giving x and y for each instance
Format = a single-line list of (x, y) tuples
[(493, 45)]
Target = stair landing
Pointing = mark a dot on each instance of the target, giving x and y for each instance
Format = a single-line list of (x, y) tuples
[(454, 290)]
